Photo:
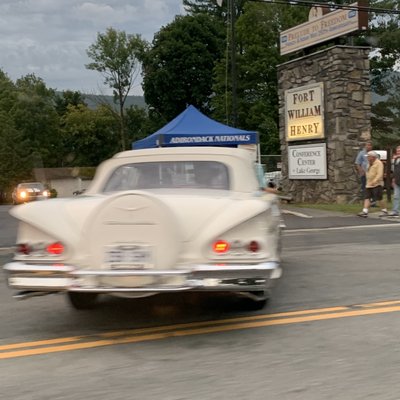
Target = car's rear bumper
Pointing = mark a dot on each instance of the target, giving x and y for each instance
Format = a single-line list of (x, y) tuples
[(45, 278)]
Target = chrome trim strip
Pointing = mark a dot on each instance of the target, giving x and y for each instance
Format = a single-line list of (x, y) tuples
[(197, 277), (236, 267), (120, 273), (130, 290), (19, 267)]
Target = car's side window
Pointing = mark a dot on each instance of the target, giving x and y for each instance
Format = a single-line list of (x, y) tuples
[(169, 174), (123, 178), (211, 175)]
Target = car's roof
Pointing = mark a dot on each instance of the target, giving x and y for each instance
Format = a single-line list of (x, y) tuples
[(238, 159), (31, 184), (206, 150)]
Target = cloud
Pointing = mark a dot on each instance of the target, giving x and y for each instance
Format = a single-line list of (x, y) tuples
[(50, 37)]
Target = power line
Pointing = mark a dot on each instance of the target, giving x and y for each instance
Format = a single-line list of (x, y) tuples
[(331, 6)]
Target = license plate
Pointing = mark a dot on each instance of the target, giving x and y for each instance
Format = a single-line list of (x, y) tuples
[(128, 256)]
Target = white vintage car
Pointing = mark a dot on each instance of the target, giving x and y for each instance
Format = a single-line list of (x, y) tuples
[(152, 221)]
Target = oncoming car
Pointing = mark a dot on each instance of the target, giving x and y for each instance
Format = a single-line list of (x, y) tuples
[(153, 221), (29, 191)]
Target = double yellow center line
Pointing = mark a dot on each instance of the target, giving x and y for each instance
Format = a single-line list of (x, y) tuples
[(195, 328)]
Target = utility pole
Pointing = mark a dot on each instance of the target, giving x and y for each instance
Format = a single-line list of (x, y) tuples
[(231, 16), (232, 13)]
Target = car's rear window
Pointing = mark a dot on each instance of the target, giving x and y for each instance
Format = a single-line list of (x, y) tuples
[(169, 174)]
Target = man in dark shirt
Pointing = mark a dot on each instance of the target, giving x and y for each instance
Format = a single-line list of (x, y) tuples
[(361, 164), (396, 183)]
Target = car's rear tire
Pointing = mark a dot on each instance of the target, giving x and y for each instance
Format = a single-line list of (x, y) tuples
[(254, 305), (82, 301)]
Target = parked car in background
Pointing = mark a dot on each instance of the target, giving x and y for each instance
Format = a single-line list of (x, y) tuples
[(273, 179), (382, 154), (29, 191), (152, 221), (78, 192)]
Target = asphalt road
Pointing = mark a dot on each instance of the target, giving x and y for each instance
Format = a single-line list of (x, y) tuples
[(329, 331), (8, 227)]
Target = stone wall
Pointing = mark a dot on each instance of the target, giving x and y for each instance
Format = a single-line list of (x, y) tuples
[(344, 70)]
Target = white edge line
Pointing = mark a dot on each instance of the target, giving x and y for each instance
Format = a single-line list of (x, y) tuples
[(297, 214), (338, 228)]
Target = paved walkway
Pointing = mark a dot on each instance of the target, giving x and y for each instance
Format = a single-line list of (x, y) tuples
[(309, 218)]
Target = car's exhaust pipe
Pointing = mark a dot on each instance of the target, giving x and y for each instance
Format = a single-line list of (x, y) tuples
[(256, 296), (27, 294)]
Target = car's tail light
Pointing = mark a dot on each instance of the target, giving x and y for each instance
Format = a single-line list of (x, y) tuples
[(253, 246), (55, 248), (220, 246), (23, 248)]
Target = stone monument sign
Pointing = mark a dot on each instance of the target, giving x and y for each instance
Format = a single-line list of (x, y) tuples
[(324, 108)]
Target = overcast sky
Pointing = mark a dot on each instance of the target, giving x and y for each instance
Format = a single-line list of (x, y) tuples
[(49, 37)]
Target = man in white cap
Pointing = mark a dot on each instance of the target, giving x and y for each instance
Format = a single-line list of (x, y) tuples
[(374, 185)]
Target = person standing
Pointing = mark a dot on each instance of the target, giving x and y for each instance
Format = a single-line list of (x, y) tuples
[(361, 164), (374, 185), (396, 183)]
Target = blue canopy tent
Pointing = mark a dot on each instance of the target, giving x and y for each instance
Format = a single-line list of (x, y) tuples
[(192, 128)]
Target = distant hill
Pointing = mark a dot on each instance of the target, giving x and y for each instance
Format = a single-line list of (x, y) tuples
[(94, 100)]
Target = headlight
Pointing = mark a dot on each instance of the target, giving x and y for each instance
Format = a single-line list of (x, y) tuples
[(22, 194), (46, 193)]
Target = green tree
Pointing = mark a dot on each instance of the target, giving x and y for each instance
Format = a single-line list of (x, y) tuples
[(66, 98), (15, 155), (384, 37), (202, 6), (257, 34), (178, 68), (36, 119), (89, 136), (385, 119), (142, 122), (211, 7), (8, 93), (116, 56)]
